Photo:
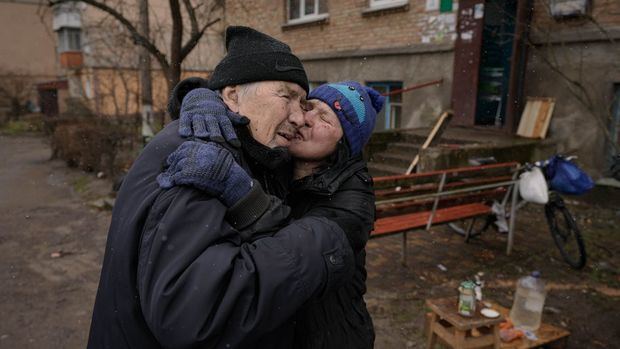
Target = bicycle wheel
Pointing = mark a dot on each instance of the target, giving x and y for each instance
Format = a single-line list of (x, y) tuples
[(471, 227), (565, 233)]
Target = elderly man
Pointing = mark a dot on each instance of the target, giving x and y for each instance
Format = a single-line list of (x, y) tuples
[(184, 268)]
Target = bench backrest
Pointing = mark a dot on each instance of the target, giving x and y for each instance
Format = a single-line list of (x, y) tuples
[(415, 192)]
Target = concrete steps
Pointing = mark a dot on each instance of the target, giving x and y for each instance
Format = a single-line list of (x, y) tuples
[(397, 159), (409, 149), (378, 169), (391, 152)]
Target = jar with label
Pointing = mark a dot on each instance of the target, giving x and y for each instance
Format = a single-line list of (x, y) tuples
[(467, 299)]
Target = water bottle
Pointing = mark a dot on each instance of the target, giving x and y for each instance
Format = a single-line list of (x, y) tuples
[(528, 304)]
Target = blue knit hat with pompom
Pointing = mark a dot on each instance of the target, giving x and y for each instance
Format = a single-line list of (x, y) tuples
[(356, 107)]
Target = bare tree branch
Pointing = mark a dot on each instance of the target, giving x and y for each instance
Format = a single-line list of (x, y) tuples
[(195, 38), (138, 38), (191, 13)]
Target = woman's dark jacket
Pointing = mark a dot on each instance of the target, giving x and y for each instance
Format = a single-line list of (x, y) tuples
[(342, 193)]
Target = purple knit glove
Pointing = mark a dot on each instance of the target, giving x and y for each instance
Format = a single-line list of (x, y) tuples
[(208, 167), (204, 115)]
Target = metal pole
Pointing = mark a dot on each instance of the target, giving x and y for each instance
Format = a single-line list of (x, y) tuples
[(436, 203), (513, 216)]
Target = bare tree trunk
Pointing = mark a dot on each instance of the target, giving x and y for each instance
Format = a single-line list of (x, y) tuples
[(145, 74), (174, 73)]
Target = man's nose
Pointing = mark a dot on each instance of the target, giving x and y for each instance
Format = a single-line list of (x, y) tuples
[(296, 117)]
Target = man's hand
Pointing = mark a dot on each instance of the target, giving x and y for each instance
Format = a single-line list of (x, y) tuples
[(208, 167), (204, 115)]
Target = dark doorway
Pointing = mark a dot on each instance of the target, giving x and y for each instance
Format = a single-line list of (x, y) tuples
[(489, 62), (48, 100), (614, 127), (494, 75)]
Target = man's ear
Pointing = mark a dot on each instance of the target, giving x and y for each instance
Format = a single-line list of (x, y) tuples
[(230, 96)]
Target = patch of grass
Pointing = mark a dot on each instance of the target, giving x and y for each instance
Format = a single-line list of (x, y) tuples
[(16, 127), (80, 184)]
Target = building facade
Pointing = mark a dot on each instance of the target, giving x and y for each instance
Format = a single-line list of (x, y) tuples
[(100, 61), (488, 56), (28, 54)]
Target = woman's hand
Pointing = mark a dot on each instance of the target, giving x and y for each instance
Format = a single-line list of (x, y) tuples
[(208, 167), (204, 115)]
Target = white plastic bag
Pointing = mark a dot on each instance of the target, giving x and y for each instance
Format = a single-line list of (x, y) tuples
[(533, 186)]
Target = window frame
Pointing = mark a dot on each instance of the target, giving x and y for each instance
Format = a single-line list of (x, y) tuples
[(390, 86), (386, 4), (69, 39), (305, 18)]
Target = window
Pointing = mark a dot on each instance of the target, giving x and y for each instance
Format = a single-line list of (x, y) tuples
[(569, 8), (300, 11), (379, 4), (391, 114), (69, 39), (445, 6)]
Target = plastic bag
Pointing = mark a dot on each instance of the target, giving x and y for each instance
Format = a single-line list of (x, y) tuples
[(567, 178), (533, 186)]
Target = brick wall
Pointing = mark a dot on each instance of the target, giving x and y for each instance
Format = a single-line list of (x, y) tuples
[(347, 28), (605, 13)]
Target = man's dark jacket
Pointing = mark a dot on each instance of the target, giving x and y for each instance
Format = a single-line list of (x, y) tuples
[(177, 274)]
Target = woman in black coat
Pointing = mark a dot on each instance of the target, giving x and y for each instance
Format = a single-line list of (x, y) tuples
[(330, 179)]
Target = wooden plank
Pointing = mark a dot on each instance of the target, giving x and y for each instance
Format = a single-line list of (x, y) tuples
[(390, 180), (428, 187), (415, 205), (397, 224), (547, 334), (536, 117), (541, 120), (446, 308)]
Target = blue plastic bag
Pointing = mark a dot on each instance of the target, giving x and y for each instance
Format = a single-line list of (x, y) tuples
[(567, 178)]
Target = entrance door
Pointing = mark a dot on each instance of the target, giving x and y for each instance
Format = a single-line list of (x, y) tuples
[(48, 100), (489, 62), (467, 61), (614, 127)]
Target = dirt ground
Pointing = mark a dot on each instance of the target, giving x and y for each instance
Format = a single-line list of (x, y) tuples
[(46, 302)]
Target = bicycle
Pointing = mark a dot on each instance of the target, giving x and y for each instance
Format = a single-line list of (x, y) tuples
[(563, 227)]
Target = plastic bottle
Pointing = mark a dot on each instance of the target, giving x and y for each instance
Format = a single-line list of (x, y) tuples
[(528, 304)]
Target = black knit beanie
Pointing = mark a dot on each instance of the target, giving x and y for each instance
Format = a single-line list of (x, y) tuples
[(255, 56)]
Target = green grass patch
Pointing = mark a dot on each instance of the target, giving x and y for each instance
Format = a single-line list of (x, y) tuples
[(80, 184), (17, 127)]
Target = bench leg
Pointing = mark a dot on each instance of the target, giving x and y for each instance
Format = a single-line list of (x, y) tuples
[(404, 249)]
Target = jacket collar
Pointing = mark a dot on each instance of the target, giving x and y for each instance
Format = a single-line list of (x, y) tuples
[(328, 180)]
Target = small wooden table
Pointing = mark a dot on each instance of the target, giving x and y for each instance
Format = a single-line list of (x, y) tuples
[(455, 330), (444, 312), (550, 336)]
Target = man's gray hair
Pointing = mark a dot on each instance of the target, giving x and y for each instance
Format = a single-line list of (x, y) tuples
[(247, 89), (244, 89)]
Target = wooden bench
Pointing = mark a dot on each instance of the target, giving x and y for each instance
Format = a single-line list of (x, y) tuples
[(421, 200)]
